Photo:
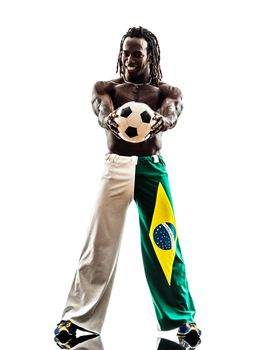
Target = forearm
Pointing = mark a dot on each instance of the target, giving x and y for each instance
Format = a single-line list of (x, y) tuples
[(102, 103), (170, 117), (104, 111), (171, 111), (102, 119)]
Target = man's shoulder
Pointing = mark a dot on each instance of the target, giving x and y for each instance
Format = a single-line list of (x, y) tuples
[(106, 86), (170, 91)]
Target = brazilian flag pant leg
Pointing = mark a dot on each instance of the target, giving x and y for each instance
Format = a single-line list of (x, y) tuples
[(162, 258)]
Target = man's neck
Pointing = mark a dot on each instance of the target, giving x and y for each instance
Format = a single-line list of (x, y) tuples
[(145, 80)]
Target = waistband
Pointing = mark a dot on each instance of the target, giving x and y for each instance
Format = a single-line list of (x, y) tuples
[(135, 159)]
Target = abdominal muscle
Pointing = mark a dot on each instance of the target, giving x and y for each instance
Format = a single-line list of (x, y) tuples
[(149, 147)]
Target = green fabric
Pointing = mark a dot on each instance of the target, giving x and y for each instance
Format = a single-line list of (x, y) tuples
[(173, 303)]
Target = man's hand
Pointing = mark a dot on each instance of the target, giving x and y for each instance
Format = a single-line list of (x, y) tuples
[(161, 124), (111, 123)]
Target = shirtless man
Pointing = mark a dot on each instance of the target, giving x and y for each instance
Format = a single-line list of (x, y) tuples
[(136, 84), (132, 171)]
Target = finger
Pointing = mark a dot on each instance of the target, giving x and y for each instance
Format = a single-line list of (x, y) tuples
[(114, 124), (152, 134), (115, 134), (114, 130), (156, 116), (157, 130), (114, 114), (157, 125)]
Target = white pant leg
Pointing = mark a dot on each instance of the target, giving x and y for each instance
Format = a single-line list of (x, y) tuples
[(90, 292)]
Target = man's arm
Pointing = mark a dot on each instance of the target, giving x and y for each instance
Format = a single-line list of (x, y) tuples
[(103, 106), (101, 102), (170, 110)]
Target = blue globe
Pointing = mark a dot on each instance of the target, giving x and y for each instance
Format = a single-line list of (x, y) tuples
[(164, 235)]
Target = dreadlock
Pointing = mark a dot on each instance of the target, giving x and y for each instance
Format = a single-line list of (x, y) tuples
[(153, 49)]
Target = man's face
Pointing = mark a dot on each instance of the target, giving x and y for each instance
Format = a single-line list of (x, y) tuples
[(135, 57)]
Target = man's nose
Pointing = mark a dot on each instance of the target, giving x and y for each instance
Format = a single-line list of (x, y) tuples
[(131, 59)]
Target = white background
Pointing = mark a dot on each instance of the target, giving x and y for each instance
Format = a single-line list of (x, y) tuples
[(52, 152)]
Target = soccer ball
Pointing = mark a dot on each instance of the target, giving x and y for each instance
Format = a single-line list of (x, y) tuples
[(135, 120)]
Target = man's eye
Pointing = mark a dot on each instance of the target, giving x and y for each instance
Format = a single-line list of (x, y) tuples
[(137, 54)]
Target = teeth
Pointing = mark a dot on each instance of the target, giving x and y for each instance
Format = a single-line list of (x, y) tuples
[(130, 68)]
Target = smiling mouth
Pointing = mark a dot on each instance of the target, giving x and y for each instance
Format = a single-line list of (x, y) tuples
[(130, 68)]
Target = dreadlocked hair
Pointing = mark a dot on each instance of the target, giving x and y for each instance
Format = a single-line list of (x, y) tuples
[(153, 49)]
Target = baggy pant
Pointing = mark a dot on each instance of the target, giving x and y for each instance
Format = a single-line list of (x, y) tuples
[(145, 180)]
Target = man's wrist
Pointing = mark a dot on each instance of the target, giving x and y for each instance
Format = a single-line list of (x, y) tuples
[(103, 121), (169, 123)]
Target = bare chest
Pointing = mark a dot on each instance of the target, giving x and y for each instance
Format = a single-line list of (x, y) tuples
[(148, 94)]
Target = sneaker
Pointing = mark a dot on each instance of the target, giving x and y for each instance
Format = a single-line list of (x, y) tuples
[(65, 334), (188, 328)]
